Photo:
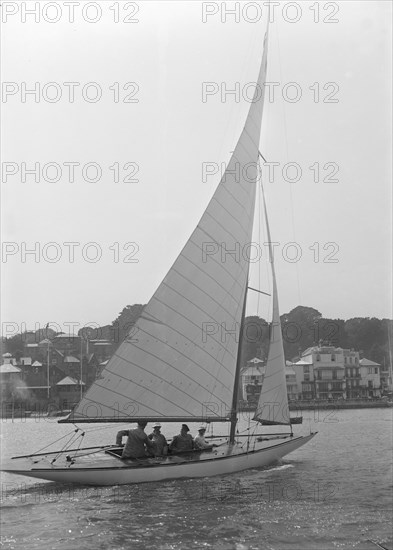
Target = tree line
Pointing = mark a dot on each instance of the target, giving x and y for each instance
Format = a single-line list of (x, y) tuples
[(302, 327)]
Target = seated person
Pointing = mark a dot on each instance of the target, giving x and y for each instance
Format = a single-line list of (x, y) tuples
[(138, 444), (200, 441), (160, 443), (182, 442)]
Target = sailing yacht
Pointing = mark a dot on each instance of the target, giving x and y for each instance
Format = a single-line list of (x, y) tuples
[(169, 370)]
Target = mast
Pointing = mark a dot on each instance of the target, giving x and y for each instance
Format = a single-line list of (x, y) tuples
[(234, 408), (237, 372)]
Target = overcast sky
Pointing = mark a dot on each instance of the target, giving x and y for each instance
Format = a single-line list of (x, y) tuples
[(341, 124)]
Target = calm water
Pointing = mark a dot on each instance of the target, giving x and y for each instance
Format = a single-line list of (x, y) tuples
[(333, 493)]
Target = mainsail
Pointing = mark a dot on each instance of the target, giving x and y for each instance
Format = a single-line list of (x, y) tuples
[(179, 360), (273, 406)]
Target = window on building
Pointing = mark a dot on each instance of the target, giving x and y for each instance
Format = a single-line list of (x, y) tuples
[(376, 370), (370, 383), (333, 357), (306, 370), (350, 360), (345, 360), (306, 377), (318, 357)]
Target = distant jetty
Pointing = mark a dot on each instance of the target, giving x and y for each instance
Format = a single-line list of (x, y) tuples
[(341, 404), (312, 405)]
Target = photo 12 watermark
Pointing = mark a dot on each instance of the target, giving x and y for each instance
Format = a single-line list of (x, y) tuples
[(70, 12), (252, 92), (253, 12), (291, 252), (271, 172), (214, 490), (68, 92), (71, 252), (257, 332), (70, 171)]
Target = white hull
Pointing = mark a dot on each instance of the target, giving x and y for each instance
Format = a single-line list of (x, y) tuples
[(225, 460)]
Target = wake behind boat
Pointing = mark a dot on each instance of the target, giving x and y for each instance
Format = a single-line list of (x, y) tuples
[(174, 366)]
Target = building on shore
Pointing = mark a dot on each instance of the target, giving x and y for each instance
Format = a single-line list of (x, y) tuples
[(252, 379), (326, 372), (323, 373), (69, 391), (43, 366)]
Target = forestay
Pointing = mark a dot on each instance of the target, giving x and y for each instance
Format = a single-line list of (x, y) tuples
[(179, 360)]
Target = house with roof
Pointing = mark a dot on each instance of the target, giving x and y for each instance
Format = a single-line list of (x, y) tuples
[(68, 392), (386, 374), (370, 377), (252, 376), (326, 372), (10, 378)]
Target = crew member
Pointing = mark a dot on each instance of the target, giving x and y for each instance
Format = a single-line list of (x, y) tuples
[(160, 443), (200, 441), (138, 443), (182, 442)]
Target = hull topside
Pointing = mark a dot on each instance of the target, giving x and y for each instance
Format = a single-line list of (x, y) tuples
[(103, 468)]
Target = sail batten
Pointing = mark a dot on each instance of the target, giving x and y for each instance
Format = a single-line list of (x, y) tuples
[(179, 360)]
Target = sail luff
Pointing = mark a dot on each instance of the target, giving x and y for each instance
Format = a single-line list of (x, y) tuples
[(273, 401), (179, 359)]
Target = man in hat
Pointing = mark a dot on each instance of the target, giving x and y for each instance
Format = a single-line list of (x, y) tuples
[(138, 443), (200, 441), (160, 443), (182, 442)]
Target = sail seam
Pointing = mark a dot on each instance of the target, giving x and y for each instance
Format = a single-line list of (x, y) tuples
[(169, 365), (187, 319), (235, 199), (204, 292), (182, 354), (222, 227), (189, 339), (109, 406), (213, 259), (195, 305), (226, 291), (150, 391), (227, 211)]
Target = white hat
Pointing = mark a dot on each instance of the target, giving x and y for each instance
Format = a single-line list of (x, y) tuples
[(157, 425), (202, 428)]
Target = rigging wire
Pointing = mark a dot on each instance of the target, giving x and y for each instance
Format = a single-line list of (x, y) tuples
[(53, 442), (82, 435), (73, 438), (292, 209)]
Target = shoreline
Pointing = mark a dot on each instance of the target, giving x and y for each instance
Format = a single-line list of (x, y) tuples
[(329, 405)]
